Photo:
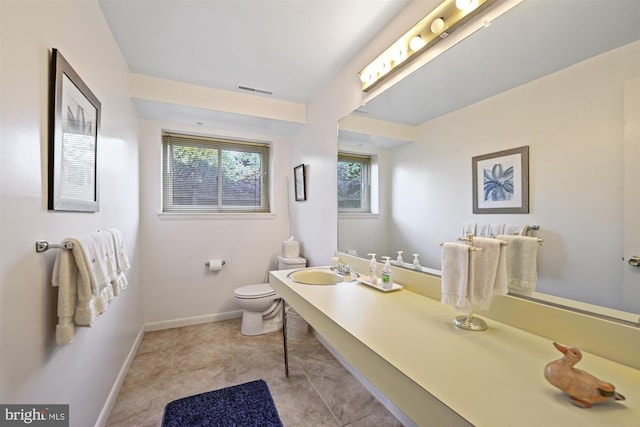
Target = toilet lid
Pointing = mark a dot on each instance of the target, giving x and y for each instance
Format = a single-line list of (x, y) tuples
[(254, 291)]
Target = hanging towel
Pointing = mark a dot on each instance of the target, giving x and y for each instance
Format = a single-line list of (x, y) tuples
[(96, 252), (77, 303), (88, 277), (118, 280), (121, 253), (516, 229), (521, 259), (496, 229), (482, 230), (457, 272), (468, 227), (489, 271)]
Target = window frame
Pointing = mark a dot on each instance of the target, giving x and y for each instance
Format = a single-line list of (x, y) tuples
[(170, 139), (366, 187)]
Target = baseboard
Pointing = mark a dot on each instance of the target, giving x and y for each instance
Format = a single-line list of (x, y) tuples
[(115, 389), (188, 321), (154, 326), (400, 416)]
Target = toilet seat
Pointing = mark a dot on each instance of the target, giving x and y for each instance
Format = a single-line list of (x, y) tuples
[(260, 290)]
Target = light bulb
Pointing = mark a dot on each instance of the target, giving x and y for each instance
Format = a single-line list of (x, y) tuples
[(367, 75), (416, 43), (397, 54), (463, 4), (437, 25)]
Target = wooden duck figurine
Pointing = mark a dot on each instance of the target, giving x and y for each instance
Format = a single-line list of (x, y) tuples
[(583, 388)]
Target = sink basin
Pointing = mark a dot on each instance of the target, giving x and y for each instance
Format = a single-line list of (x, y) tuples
[(318, 276)]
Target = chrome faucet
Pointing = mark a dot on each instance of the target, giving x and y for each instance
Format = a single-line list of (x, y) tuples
[(343, 269)]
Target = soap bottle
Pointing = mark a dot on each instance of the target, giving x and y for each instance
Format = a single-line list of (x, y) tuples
[(387, 274), (373, 264), (399, 260), (416, 263)]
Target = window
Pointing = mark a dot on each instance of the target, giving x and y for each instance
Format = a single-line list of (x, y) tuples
[(354, 183), (207, 174)]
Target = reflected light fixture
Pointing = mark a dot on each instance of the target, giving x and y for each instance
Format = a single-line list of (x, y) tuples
[(437, 25)]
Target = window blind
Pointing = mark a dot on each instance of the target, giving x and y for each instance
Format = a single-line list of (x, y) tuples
[(206, 174)]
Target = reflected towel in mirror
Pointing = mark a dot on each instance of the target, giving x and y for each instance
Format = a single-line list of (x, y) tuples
[(456, 275), (521, 259)]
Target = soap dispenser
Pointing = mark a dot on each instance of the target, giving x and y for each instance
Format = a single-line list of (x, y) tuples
[(387, 274), (399, 260), (373, 264), (416, 263)]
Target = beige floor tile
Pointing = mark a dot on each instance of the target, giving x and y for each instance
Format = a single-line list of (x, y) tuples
[(185, 361), (158, 340)]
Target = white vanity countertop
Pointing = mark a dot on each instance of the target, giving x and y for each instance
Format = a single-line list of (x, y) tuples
[(491, 378)]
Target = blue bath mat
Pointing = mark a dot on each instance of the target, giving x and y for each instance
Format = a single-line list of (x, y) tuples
[(244, 405)]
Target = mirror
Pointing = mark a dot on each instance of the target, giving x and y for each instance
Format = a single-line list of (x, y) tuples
[(547, 75)]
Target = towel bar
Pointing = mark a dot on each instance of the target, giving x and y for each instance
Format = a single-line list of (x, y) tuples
[(471, 248), (43, 245)]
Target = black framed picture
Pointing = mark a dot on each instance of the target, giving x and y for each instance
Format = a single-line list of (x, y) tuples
[(501, 182), (74, 119), (299, 183)]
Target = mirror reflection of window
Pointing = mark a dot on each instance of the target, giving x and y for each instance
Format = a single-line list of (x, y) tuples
[(354, 183)]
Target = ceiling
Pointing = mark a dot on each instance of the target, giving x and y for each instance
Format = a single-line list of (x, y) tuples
[(534, 39), (290, 48)]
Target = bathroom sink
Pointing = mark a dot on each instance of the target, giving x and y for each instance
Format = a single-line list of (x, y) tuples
[(319, 276)]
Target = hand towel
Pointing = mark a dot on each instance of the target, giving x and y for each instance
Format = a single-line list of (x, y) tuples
[(95, 254), (496, 229), (65, 278), (121, 253), (118, 280), (521, 260), (489, 271), (482, 230), (77, 303), (468, 227), (457, 272)]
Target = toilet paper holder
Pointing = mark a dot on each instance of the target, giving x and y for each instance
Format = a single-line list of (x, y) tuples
[(207, 264)]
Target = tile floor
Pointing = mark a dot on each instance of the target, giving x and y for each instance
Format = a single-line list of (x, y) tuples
[(180, 362)]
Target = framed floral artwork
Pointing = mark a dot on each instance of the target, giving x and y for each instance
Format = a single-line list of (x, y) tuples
[(501, 182)]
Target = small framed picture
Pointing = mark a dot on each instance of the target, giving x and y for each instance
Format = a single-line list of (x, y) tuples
[(501, 182), (299, 181), (74, 119)]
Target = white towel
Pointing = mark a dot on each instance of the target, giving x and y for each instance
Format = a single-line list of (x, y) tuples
[(521, 259), (121, 253), (96, 253), (489, 271), (482, 230), (118, 280), (496, 229), (457, 272), (77, 303), (88, 277), (468, 227), (516, 229)]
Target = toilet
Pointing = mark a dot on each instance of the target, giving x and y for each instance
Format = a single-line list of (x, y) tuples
[(262, 307)]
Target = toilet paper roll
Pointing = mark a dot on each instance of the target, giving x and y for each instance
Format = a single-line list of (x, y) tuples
[(214, 265)]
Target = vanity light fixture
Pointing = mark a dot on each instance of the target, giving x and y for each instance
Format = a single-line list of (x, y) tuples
[(437, 25)]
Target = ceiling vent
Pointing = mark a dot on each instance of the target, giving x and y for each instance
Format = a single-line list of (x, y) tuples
[(254, 90)]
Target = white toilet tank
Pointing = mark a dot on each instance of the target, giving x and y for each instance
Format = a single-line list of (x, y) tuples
[(287, 263)]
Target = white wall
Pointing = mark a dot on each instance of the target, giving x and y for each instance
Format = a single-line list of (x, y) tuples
[(176, 247), (33, 369), (572, 122)]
